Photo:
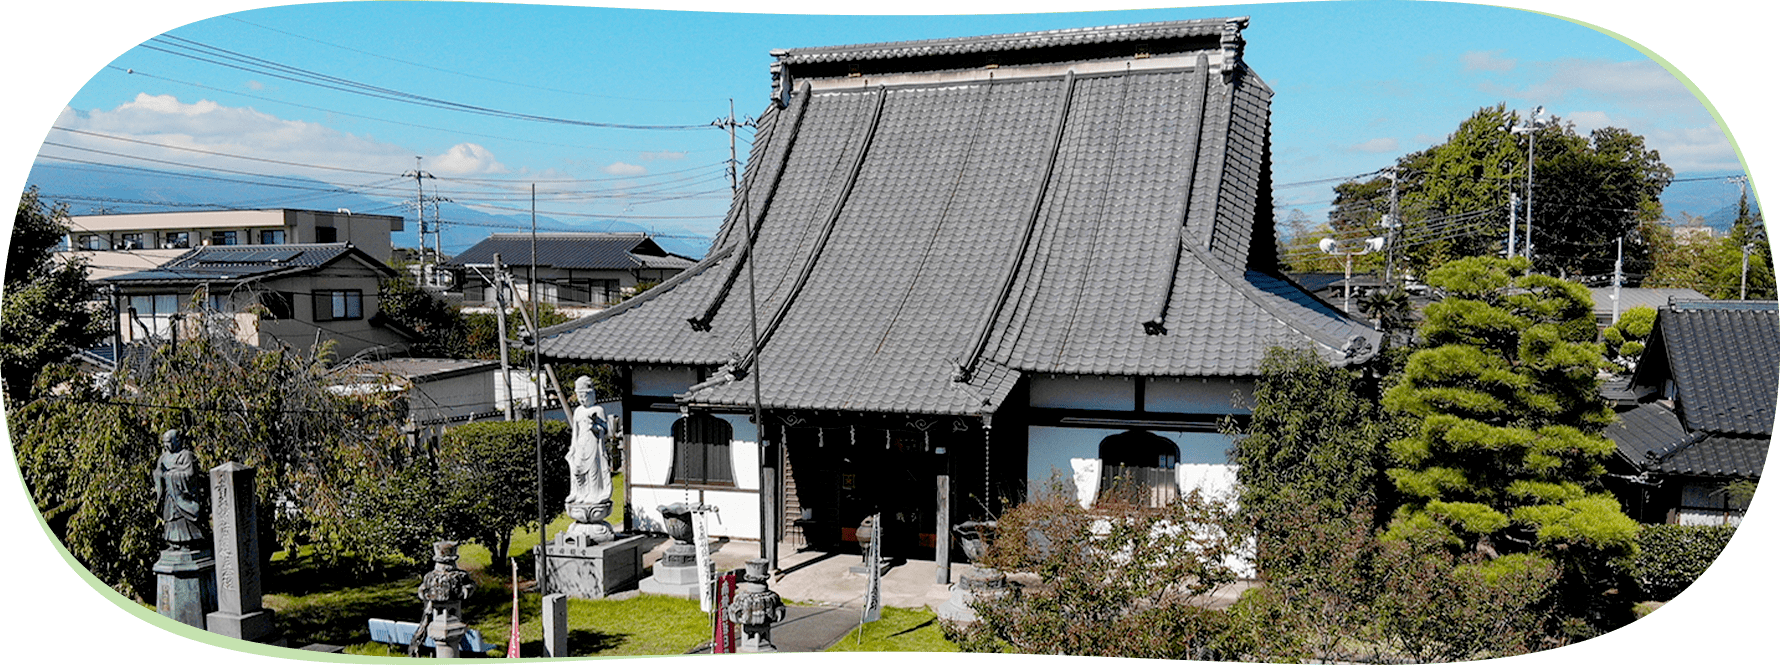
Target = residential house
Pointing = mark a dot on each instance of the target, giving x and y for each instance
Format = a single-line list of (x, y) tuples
[(579, 273), (222, 228), (1705, 389), (440, 392), (293, 294), (972, 263), (1605, 312)]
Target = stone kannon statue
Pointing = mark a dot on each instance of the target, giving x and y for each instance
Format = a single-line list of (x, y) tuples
[(590, 473), (755, 608), (444, 588), (179, 491)]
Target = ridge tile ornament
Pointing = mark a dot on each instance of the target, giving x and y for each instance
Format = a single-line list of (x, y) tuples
[(589, 559), (444, 588), (185, 578), (755, 608)]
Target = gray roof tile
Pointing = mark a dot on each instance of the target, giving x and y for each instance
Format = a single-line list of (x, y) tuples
[(930, 229), (573, 251)]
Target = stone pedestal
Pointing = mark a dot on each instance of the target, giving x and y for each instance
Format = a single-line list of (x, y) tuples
[(446, 629), (676, 574), (185, 585), (755, 608), (236, 525), (974, 583), (590, 570)]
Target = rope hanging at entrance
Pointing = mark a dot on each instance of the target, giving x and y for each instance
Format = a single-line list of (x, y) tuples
[(852, 435), (887, 439), (820, 438)]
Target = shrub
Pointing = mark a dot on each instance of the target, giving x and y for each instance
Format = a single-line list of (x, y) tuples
[(1671, 556)]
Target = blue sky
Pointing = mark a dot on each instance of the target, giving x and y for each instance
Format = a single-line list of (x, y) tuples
[(1356, 84)]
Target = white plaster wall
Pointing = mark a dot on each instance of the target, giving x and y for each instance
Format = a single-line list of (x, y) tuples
[(738, 513), (1198, 395), (661, 381), (1203, 462), (1116, 393)]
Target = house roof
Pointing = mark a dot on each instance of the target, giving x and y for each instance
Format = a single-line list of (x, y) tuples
[(421, 370), (1652, 438), (1724, 357), (574, 251), (920, 246), (240, 263), (1639, 297)]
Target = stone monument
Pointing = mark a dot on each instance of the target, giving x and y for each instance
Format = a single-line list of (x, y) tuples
[(755, 608), (444, 588), (185, 577), (676, 573), (236, 522), (588, 559), (979, 581)]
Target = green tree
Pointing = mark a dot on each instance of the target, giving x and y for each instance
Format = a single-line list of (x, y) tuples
[(85, 454), (1625, 338), (1315, 438), (488, 478), (1508, 453), (1122, 580), (49, 310), (440, 324), (1454, 197)]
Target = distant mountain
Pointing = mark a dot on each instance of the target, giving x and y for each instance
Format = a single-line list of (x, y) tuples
[(92, 191), (1714, 199)]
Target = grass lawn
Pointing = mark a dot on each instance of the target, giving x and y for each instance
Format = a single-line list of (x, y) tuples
[(898, 629), (331, 606)]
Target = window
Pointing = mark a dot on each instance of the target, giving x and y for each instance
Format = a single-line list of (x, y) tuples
[(326, 234), (339, 305), (277, 304), (1139, 466), (176, 240), (153, 314), (701, 451), (272, 237), (131, 241), (92, 242), (225, 238)]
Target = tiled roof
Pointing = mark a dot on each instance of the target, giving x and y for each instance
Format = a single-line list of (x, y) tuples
[(1725, 360), (573, 251), (1009, 42), (245, 262), (1651, 438), (1114, 223)]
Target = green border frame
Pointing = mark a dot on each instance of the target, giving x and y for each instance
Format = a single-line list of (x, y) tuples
[(59, 610)]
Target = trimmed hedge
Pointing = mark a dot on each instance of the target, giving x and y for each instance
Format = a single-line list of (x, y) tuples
[(1671, 556)]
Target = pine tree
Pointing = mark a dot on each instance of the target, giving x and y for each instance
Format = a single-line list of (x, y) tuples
[(1508, 454)]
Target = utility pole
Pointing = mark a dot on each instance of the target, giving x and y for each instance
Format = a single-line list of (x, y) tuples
[(1329, 246), (419, 211), (500, 322), (730, 124), (1394, 222), (1513, 220), (1618, 274), (1530, 128)]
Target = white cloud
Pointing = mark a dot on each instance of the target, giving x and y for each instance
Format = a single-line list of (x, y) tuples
[(664, 155), (1641, 84), (467, 159), (255, 85), (208, 126), (1588, 121), (1378, 145), (621, 168), (1488, 61)]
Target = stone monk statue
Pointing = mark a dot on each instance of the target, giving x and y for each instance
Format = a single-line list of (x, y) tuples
[(179, 489), (590, 474)]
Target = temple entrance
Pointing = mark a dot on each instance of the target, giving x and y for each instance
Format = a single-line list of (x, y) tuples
[(839, 476)]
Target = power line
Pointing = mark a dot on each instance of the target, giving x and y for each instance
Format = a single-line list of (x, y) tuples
[(459, 73), (199, 51)]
